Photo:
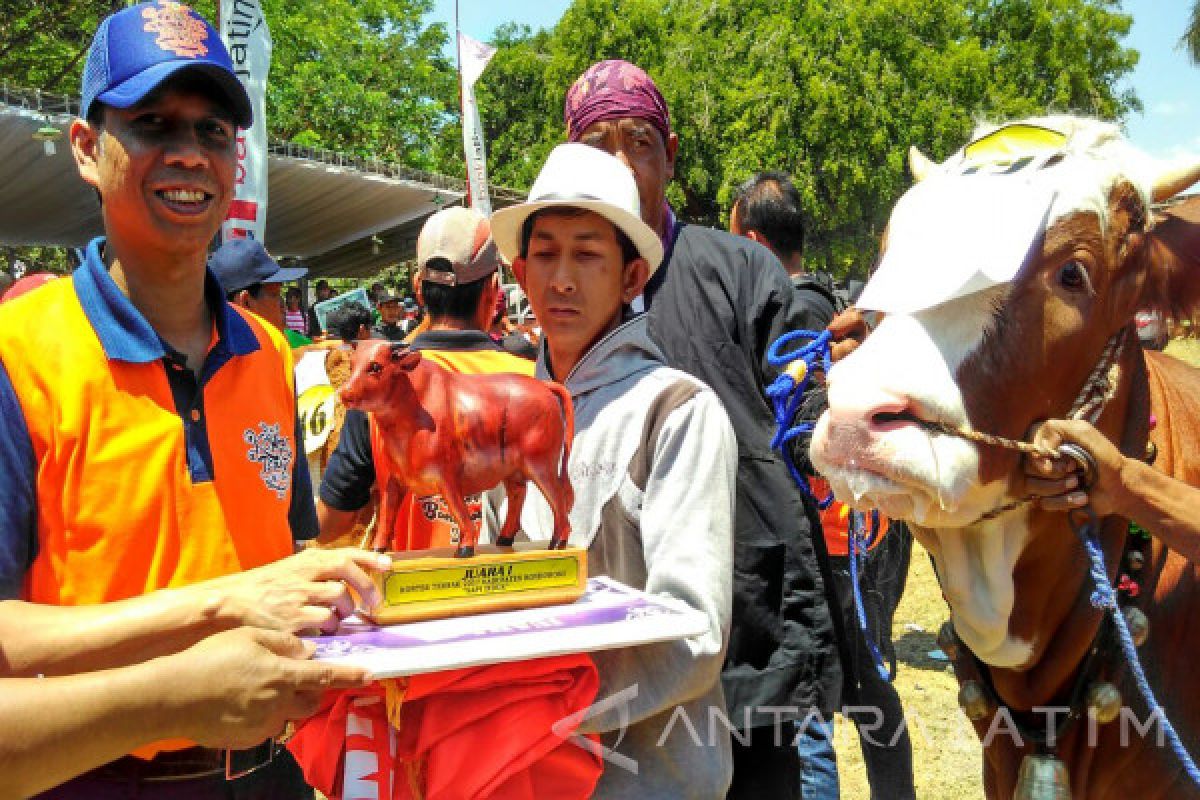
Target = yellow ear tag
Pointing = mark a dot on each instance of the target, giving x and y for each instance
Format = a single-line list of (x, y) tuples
[(1012, 146), (797, 369)]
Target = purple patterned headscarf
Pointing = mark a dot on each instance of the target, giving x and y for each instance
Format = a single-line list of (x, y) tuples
[(614, 90)]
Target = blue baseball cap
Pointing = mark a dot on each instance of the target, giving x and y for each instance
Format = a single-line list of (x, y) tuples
[(241, 263), (139, 47)]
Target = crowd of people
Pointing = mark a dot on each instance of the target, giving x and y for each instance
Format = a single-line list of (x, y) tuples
[(161, 542), (385, 314)]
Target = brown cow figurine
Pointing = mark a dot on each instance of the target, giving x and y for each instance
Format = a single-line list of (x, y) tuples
[(454, 435), (1010, 279)]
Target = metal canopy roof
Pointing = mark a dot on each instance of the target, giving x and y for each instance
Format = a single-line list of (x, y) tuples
[(339, 215)]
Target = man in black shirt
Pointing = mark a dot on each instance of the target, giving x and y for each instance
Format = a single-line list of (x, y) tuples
[(767, 210), (324, 292), (389, 326), (458, 283), (715, 305)]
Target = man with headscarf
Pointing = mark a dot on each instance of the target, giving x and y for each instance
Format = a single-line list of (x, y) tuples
[(714, 307)]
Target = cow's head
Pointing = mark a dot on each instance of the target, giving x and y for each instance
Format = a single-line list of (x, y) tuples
[(1005, 272), (380, 370)]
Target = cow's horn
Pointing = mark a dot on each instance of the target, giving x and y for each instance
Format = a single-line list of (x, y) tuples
[(1174, 180), (919, 164)]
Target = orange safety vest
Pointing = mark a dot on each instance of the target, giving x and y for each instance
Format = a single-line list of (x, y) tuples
[(120, 511), (835, 521)]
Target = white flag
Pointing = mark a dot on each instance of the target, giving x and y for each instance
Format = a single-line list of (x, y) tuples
[(245, 33), (473, 56)]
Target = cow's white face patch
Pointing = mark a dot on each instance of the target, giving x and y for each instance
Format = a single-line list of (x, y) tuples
[(931, 479), (908, 364), (951, 246)]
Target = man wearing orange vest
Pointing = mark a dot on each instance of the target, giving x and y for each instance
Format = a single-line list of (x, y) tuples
[(148, 435), (457, 283)]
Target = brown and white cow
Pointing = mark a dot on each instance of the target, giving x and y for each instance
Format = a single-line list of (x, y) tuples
[(967, 344)]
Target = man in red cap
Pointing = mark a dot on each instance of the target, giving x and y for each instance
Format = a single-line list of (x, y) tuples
[(26, 284), (714, 307)]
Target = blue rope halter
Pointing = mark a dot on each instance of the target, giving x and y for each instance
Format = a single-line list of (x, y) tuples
[(786, 393), (1105, 597)]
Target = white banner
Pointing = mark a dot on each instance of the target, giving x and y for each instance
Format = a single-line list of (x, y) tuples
[(245, 33), (473, 57)]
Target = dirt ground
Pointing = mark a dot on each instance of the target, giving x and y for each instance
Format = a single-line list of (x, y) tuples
[(946, 752)]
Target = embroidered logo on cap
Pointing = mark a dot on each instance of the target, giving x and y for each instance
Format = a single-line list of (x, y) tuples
[(179, 30)]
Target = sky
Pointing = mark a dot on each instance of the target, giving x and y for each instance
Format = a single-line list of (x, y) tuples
[(1166, 81)]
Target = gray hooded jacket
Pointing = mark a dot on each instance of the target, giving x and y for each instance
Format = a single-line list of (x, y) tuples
[(653, 467)]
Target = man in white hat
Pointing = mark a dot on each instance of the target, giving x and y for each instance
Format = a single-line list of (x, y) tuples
[(652, 465)]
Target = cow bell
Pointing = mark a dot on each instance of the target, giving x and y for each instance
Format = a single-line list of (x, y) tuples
[(1103, 702), (1138, 624), (975, 702), (947, 641), (1042, 777)]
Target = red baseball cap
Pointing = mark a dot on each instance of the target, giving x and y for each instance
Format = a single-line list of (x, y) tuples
[(26, 285)]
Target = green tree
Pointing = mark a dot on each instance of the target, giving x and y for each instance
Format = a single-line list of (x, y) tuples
[(360, 76), (519, 108), (832, 91), (43, 43), (1191, 37)]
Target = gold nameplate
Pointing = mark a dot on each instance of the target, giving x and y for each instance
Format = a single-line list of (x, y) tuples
[(431, 584)]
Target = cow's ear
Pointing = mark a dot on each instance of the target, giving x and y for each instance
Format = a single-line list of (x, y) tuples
[(1173, 260), (404, 356)]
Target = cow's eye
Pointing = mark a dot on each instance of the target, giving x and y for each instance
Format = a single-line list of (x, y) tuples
[(1073, 276), (374, 368)]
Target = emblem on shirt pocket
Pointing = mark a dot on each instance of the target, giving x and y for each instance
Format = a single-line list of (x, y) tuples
[(272, 452)]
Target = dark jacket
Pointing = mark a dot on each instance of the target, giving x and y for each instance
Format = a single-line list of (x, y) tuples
[(314, 322), (818, 294), (393, 333), (714, 307)]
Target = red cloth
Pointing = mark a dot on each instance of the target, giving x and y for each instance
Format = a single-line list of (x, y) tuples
[(482, 732)]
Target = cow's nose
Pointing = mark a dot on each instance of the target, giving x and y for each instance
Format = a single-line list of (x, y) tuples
[(854, 423), (872, 409)]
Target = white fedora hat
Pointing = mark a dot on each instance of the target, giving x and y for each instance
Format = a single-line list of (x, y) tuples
[(581, 176)]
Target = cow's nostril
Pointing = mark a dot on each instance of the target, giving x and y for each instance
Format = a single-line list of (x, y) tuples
[(884, 417), (891, 420)]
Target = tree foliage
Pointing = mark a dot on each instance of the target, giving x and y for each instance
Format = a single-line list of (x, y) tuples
[(365, 77), (360, 76), (43, 43), (1191, 36), (833, 92)]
